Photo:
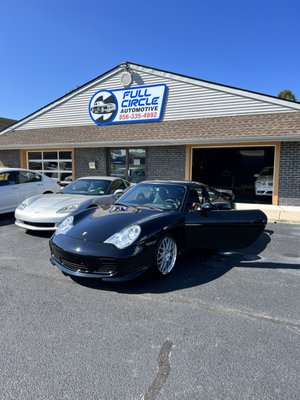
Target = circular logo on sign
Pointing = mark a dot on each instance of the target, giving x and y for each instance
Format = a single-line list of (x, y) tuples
[(103, 107)]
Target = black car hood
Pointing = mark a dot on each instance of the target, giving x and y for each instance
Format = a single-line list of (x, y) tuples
[(97, 225)]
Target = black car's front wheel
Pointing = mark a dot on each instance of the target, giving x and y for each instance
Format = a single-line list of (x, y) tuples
[(165, 255)]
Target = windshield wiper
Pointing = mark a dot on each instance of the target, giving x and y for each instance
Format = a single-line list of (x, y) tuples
[(138, 206), (150, 207), (122, 204)]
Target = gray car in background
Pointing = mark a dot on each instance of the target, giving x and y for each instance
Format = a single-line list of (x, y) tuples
[(46, 212)]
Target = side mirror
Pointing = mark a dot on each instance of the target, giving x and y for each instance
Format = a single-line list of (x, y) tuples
[(118, 193), (208, 206), (256, 175)]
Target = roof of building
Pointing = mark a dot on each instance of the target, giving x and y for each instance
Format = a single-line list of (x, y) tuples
[(260, 128), (5, 122)]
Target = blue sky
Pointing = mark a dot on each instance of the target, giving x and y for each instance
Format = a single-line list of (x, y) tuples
[(50, 47)]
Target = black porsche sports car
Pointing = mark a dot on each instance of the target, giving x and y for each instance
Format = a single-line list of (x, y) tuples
[(146, 228)]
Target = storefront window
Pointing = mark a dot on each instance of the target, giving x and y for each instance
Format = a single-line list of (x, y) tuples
[(55, 164), (128, 163), (37, 155)]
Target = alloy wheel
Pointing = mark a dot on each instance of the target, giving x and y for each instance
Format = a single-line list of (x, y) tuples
[(166, 254)]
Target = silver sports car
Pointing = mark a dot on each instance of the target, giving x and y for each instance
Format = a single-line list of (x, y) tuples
[(46, 212)]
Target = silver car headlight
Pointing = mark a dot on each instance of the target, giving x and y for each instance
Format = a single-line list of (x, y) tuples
[(68, 209), (65, 226), (125, 237), (23, 205)]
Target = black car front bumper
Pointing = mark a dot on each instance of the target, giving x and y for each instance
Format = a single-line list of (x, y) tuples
[(99, 260)]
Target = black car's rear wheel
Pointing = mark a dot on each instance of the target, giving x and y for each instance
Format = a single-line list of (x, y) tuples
[(165, 255)]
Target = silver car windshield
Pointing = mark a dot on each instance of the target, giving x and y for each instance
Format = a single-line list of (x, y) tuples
[(153, 195), (267, 171), (87, 187)]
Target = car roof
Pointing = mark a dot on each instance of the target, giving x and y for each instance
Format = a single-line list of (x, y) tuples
[(171, 182), (106, 178), (7, 169)]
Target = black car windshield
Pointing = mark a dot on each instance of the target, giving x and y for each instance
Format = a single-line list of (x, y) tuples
[(154, 195), (87, 186)]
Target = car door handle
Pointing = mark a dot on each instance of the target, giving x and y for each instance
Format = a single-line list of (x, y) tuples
[(40, 184)]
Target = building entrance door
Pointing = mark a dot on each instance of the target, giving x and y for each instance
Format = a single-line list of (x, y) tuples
[(129, 164)]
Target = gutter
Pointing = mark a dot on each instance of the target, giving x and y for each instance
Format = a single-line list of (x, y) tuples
[(147, 143)]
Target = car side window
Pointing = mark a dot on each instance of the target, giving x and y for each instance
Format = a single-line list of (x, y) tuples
[(29, 177), (37, 178), (203, 196), (115, 185), (3, 179), (213, 195), (122, 185), (202, 193), (9, 178), (112, 188)]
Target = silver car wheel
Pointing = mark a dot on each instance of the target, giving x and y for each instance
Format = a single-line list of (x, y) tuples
[(166, 254)]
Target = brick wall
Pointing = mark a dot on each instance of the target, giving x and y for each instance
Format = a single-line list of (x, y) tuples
[(10, 158), (289, 176), (165, 162), (82, 158)]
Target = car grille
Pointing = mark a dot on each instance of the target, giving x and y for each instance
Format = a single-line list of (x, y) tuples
[(39, 224), (98, 267), (105, 266)]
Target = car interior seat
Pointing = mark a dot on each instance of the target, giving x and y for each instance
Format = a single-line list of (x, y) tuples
[(160, 196), (12, 179)]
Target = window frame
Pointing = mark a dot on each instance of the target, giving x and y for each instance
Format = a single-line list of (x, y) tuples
[(58, 171)]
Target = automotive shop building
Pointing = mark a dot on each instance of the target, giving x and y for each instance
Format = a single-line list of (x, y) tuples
[(145, 123)]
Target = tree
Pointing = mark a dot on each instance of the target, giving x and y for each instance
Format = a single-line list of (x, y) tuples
[(287, 95)]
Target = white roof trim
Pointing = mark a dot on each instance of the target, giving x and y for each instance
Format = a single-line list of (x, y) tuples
[(219, 87)]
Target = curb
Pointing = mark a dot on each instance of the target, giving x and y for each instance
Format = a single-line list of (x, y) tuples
[(276, 214)]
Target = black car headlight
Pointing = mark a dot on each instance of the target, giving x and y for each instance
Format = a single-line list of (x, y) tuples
[(125, 237)]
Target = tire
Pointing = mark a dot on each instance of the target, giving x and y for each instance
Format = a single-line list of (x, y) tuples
[(165, 255)]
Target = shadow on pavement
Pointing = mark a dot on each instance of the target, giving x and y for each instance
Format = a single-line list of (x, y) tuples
[(43, 234), (193, 269), (7, 219)]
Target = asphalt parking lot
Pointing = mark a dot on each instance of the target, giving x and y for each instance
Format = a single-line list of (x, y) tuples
[(222, 326)]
